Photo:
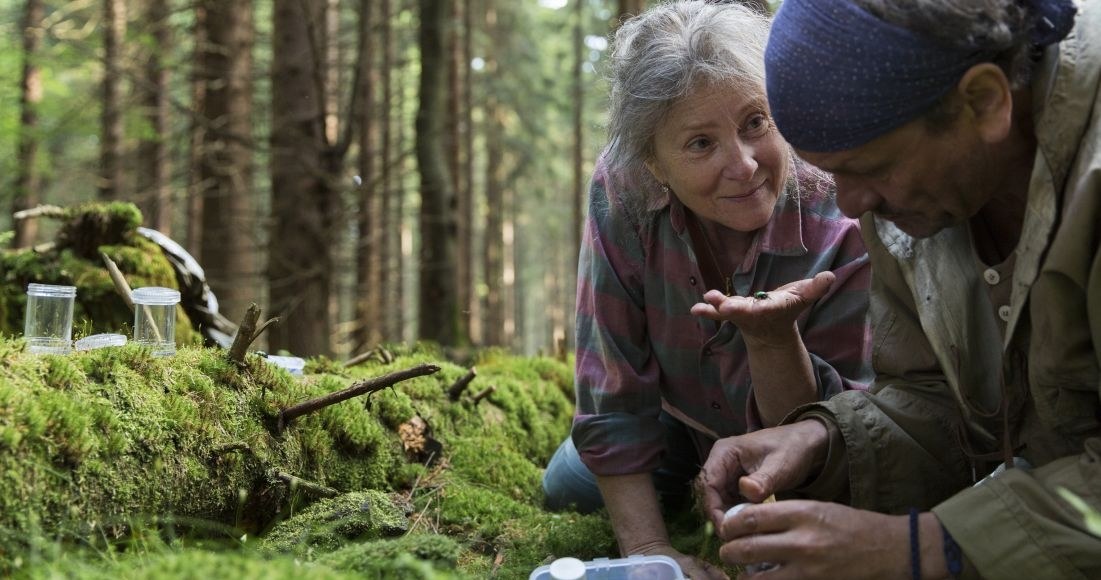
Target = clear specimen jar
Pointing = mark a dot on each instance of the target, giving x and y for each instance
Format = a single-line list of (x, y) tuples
[(48, 322), (155, 319)]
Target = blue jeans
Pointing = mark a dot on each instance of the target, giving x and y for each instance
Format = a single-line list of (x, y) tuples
[(567, 482)]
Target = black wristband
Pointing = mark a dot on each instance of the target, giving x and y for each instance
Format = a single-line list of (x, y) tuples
[(915, 546), (953, 556)]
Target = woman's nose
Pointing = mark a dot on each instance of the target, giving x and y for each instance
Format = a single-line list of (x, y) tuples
[(741, 163), (855, 199)]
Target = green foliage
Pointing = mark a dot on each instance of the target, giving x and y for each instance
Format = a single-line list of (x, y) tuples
[(330, 523)]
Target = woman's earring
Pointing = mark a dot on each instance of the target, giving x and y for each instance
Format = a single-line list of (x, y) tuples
[(665, 189)]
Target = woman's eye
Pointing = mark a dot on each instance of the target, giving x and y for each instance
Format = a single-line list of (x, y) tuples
[(699, 144), (756, 125)]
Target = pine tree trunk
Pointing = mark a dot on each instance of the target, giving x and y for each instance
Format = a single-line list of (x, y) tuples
[(439, 312), (368, 272), (28, 181), (456, 142), (467, 225), (493, 240), (228, 245), (153, 169), (114, 31), (579, 175), (196, 135), (388, 246), (304, 203)]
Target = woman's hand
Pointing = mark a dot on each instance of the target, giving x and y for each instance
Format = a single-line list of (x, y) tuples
[(766, 321)]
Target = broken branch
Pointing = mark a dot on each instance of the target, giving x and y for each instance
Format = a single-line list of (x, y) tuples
[(299, 483), (368, 386), (246, 333), (456, 390), (485, 393)]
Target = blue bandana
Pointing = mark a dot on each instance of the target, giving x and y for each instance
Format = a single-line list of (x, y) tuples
[(838, 77)]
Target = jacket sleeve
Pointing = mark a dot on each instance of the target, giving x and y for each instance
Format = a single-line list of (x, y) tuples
[(616, 428)]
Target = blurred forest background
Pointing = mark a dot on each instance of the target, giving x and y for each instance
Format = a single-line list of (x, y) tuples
[(369, 170)]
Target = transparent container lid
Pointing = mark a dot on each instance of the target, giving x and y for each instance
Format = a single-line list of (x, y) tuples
[(629, 568), (292, 364), (155, 296), (51, 291), (100, 341)]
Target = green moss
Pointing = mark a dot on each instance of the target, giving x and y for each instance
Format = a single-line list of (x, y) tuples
[(414, 556), (333, 522)]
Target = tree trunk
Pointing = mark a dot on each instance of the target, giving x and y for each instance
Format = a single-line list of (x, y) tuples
[(368, 258), (304, 202), (439, 313), (458, 77), (579, 175), (493, 242), (226, 164), (153, 162), (389, 248), (27, 181), (468, 300), (196, 135), (114, 20)]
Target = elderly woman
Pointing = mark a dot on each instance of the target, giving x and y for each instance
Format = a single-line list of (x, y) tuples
[(719, 286)]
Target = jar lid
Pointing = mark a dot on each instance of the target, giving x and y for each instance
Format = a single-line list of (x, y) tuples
[(100, 341), (292, 364), (51, 291), (567, 569), (155, 296)]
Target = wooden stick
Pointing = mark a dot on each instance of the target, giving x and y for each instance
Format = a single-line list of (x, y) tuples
[(42, 210), (368, 386), (456, 390), (299, 483), (485, 393), (263, 327), (246, 333), (360, 358), (122, 287)]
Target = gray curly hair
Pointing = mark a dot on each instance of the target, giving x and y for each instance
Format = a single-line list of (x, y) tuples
[(663, 55)]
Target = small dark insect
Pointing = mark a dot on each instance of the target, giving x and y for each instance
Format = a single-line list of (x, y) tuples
[(760, 295)]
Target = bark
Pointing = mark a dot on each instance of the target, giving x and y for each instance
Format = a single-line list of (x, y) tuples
[(304, 200), (388, 247), (493, 240), (579, 175), (439, 313), (368, 258), (28, 180), (196, 136), (153, 169), (226, 155), (467, 297), (456, 127), (114, 18)]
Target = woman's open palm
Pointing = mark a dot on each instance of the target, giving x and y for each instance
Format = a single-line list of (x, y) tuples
[(765, 316)]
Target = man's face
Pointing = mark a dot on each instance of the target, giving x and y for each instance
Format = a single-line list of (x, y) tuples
[(923, 181)]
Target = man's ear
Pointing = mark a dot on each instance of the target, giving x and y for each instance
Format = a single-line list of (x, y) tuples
[(987, 98)]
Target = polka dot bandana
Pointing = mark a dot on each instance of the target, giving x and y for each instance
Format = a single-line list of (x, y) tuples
[(838, 77)]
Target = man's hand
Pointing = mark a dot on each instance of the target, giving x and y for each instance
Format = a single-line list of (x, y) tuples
[(770, 320), (692, 567), (810, 539), (759, 464)]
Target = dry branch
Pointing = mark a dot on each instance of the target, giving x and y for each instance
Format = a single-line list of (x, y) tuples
[(40, 211), (121, 285), (456, 390), (368, 386), (246, 333), (485, 393), (299, 483), (359, 359)]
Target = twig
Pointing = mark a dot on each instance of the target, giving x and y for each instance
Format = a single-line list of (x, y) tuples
[(485, 393), (122, 287), (456, 390), (359, 358), (299, 483), (368, 386), (246, 333), (40, 211), (263, 327)]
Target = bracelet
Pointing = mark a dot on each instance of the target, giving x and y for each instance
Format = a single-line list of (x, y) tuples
[(953, 556), (915, 546)]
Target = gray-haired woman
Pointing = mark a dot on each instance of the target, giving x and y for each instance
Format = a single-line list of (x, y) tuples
[(698, 191)]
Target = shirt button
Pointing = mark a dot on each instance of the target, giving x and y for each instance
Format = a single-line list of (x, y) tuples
[(991, 276), (692, 280), (715, 405), (1003, 313)]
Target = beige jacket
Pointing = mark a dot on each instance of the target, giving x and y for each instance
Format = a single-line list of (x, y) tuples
[(937, 354)]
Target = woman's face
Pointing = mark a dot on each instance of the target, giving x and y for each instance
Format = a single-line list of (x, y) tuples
[(723, 158)]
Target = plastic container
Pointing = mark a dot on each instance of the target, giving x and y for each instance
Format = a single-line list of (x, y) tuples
[(291, 364), (155, 319), (629, 568), (100, 341), (48, 322)]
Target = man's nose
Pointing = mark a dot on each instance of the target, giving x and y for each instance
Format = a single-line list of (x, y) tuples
[(855, 199)]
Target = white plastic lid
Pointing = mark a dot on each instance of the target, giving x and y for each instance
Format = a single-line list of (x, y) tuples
[(155, 296), (100, 341), (567, 569), (292, 364), (51, 291)]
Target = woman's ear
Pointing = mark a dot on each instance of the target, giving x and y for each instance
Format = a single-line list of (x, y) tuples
[(654, 170), (988, 100)]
